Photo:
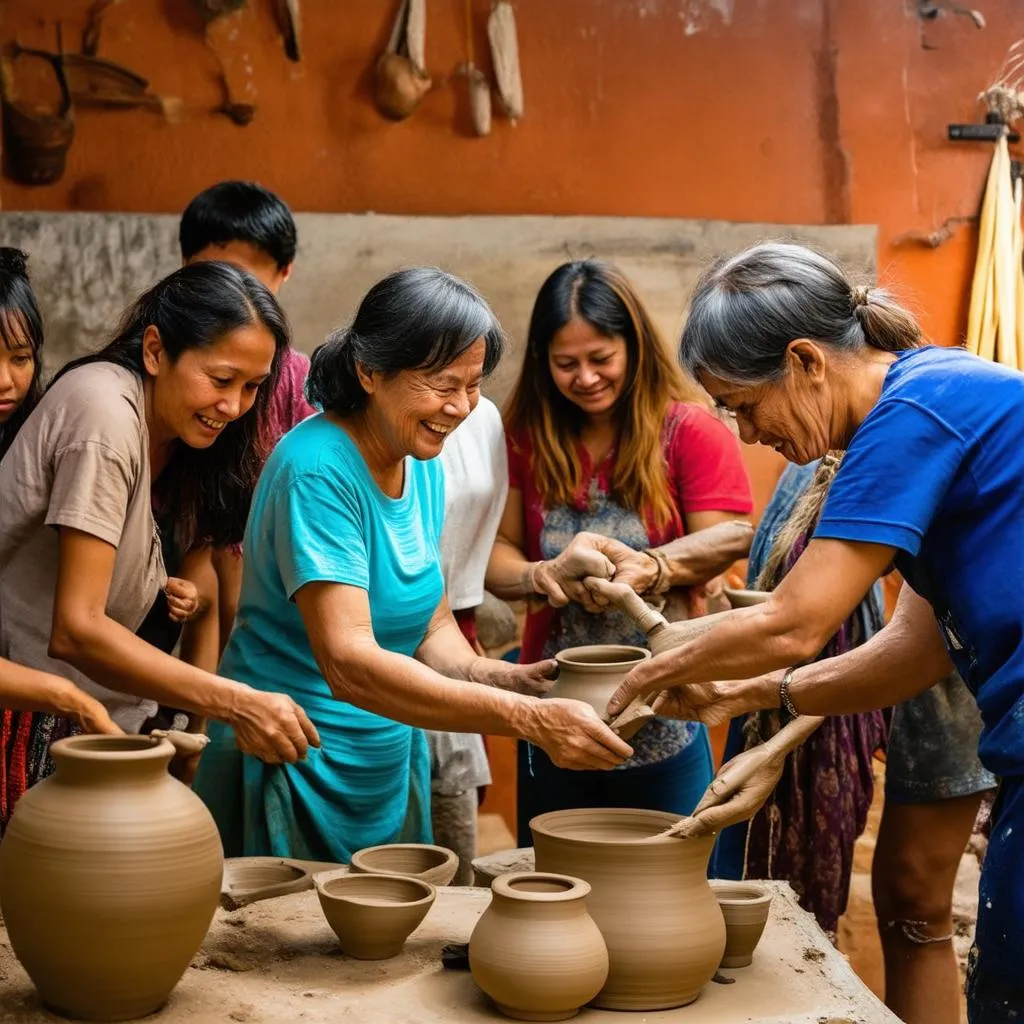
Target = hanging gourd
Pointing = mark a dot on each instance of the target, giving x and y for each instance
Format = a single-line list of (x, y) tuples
[(400, 78)]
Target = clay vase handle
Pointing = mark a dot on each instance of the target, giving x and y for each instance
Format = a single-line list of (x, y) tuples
[(627, 600), (185, 743)]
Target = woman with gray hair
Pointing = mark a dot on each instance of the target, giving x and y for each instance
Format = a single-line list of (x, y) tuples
[(932, 480)]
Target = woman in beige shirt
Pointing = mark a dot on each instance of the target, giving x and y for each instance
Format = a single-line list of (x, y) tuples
[(169, 410)]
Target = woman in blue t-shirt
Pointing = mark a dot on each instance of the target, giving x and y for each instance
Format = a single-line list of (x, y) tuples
[(933, 481), (342, 601)]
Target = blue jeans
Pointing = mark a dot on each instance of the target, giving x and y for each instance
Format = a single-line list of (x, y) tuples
[(995, 975), (674, 785)]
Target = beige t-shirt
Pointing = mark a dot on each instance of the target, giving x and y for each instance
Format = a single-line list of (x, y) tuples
[(81, 460)]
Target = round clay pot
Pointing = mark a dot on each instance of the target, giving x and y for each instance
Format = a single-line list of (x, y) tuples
[(398, 86), (536, 951), (745, 598), (110, 872), (592, 674), (745, 907), (435, 865), (650, 898), (373, 915)]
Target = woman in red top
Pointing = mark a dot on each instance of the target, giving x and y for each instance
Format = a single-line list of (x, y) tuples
[(602, 440)]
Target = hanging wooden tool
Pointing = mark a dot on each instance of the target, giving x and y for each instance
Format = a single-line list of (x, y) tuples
[(36, 139), (400, 78), (501, 31), (289, 21), (479, 86)]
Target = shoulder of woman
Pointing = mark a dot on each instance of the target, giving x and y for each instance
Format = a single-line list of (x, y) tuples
[(688, 420), (97, 402)]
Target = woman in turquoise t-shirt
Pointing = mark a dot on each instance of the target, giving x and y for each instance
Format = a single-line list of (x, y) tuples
[(342, 601)]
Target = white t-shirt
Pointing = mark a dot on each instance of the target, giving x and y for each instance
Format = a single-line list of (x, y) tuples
[(475, 488)]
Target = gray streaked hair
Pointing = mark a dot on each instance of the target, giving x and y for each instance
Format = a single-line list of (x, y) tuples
[(747, 309)]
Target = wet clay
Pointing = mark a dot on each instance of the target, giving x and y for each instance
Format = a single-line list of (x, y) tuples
[(592, 674), (110, 872), (373, 915), (649, 897), (435, 865), (745, 907), (536, 951)]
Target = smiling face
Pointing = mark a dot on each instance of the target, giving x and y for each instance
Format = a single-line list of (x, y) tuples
[(17, 369), (588, 368), (195, 398), (248, 257), (412, 412), (797, 414)]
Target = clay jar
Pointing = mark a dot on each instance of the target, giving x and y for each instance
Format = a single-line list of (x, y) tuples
[(650, 898), (536, 951), (110, 872), (745, 907), (592, 674), (435, 865)]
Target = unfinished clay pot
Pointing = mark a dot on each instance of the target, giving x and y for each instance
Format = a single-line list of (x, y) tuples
[(110, 871), (592, 674), (650, 898), (745, 908), (373, 915), (251, 879), (536, 951), (435, 865)]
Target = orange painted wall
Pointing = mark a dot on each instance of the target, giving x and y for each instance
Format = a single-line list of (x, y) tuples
[(802, 111)]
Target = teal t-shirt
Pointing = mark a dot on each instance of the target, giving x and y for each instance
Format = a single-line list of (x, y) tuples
[(319, 516)]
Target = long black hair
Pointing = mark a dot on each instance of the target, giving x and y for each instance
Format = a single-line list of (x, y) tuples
[(20, 322), (420, 318), (206, 492)]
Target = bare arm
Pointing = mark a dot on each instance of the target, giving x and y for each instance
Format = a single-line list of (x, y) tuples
[(268, 725), (897, 663), (28, 689), (508, 569), (828, 581), (359, 671)]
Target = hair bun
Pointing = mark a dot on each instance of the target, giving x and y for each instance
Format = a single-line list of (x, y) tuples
[(13, 261), (859, 295)]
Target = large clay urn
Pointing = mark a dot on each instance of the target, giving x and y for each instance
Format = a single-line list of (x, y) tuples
[(536, 951), (110, 872), (592, 674), (649, 896)]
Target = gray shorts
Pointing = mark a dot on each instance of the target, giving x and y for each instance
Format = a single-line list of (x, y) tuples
[(933, 747)]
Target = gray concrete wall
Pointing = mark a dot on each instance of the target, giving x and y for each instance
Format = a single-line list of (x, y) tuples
[(87, 267)]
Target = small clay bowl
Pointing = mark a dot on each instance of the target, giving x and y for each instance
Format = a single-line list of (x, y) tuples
[(248, 879), (373, 915), (745, 908), (745, 598), (435, 865)]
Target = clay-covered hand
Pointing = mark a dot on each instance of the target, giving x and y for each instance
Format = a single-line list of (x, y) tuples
[(560, 579), (710, 703), (271, 726), (534, 680), (182, 598), (572, 734), (738, 791)]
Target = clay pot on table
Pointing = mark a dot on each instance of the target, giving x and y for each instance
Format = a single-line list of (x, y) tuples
[(373, 915), (536, 951), (110, 872), (745, 907), (435, 865), (649, 896)]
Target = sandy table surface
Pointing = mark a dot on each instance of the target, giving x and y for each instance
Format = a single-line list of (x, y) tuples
[(277, 961)]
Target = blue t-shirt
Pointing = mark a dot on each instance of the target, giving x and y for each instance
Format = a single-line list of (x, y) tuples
[(936, 470), (319, 516)]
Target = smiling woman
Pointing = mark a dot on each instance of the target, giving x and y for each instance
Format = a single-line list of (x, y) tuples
[(343, 598), (163, 413)]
